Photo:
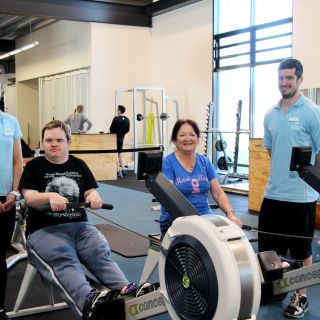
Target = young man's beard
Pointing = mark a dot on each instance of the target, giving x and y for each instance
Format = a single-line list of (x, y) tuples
[(289, 95)]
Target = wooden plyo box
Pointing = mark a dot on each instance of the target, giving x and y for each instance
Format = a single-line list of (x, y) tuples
[(102, 165), (259, 161)]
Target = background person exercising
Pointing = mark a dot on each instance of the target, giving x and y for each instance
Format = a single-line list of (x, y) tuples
[(289, 203), (120, 126)]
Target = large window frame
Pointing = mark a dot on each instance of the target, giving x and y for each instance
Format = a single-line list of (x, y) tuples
[(254, 40), (258, 45)]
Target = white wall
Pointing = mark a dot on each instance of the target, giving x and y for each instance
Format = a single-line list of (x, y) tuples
[(64, 46), (306, 47), (120, 58), (182, 57)]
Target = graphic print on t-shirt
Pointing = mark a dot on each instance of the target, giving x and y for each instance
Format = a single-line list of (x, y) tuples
[(66, 187), (195, 185)]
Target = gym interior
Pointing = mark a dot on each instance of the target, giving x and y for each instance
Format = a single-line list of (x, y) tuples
[(163, 60)]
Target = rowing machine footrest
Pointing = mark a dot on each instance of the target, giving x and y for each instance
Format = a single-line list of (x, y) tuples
[(271, 266), (114, 309)]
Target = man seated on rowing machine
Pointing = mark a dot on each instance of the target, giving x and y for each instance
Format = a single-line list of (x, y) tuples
[(60, 240)]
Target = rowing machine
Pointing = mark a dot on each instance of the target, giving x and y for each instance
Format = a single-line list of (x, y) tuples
[(204, 261)]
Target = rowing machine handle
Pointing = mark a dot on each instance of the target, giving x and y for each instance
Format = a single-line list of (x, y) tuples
[(46, 207)]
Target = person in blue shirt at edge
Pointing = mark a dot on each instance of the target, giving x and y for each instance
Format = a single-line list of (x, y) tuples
[(10, 172), (289, 203), (192, 174)]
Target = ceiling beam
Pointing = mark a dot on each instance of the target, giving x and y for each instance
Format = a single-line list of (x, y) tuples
[(79, 10), (163, 6)]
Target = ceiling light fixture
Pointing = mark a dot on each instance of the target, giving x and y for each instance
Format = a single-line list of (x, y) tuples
[(26, 47)]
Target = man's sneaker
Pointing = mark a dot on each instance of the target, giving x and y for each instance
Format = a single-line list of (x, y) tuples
[(3, 315), (96, 299), (135, 290), (298, 306)]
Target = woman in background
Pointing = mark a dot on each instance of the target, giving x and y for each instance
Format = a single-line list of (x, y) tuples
[(192, 174), (77, 120)]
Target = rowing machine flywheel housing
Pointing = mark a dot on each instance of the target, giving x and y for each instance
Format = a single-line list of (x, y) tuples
[(208, 270)]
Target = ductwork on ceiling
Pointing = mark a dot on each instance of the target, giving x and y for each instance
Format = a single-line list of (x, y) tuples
[(13, 27)]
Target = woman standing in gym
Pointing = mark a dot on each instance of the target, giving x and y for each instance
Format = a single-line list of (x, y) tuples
[(192, 174), (77, 120)]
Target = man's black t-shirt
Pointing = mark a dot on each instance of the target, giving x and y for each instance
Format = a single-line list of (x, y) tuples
[(120, 125), (70, 179)]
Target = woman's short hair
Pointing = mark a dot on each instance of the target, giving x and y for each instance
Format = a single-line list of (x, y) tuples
[(56, 124), (179, 124)]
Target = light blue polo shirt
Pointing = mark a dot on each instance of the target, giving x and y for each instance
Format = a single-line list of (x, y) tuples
[(300, 126), (9, 132)]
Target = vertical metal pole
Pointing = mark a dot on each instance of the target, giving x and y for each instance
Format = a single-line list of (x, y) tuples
[(210, 131), (164, 124), (135, 129), (144, 120), (158, 123)]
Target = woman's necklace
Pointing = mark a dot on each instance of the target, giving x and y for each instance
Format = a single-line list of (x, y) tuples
[(188, 164)]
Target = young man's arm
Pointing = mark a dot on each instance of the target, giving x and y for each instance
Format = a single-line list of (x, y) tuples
[(92, 196), (113, 128), (36, 199)]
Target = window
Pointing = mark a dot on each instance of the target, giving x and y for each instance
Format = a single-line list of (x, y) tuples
[(247, 49)]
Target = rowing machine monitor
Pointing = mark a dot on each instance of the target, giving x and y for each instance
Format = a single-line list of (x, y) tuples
[(149, 169), (300, 161), (149, 163)]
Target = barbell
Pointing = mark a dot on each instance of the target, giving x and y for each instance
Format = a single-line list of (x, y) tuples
[(163, 117)]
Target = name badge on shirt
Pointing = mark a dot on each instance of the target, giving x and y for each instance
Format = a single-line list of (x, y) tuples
[(8, 132), (294, 121)]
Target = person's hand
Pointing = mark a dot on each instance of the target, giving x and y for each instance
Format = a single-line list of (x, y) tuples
[(94, 200), (233, 217), (237, 221), (10, 202), (57, 202)]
